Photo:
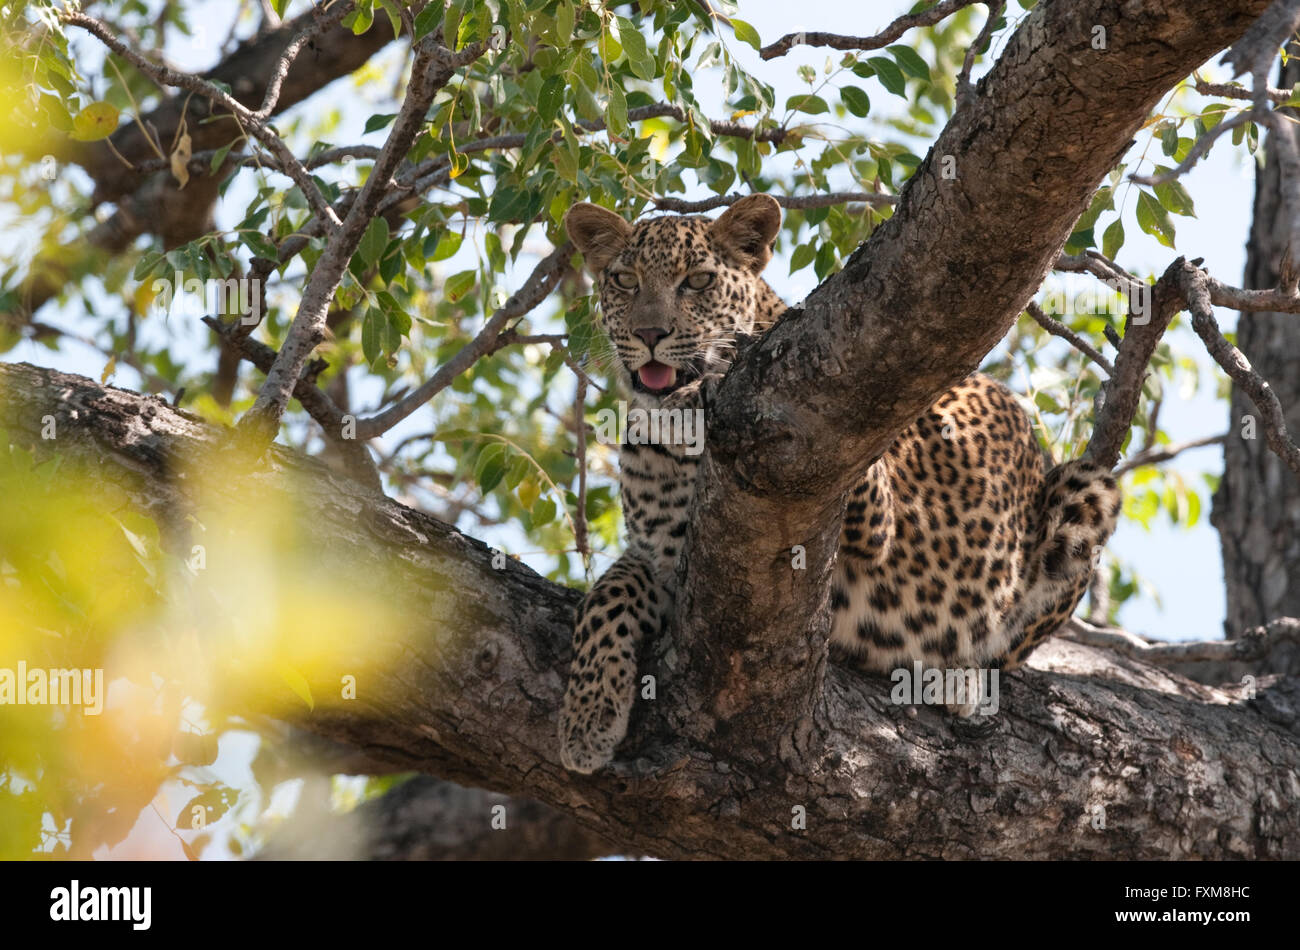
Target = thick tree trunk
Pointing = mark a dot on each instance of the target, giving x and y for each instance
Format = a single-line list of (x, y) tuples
[(1091, 755), (1257, 505)]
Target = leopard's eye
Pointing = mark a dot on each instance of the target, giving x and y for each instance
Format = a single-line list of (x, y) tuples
[(700, 280), (624, 278)]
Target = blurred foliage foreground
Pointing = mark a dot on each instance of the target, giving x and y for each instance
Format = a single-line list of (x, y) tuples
[(250, 621)]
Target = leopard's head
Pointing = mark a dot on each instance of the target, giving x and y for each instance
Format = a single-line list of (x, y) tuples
[(676, 290)]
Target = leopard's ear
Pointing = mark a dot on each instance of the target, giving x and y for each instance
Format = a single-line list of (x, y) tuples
[(747, 229), (597, 232)]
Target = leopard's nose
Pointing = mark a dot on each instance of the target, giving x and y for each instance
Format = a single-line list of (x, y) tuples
[(651, 335)]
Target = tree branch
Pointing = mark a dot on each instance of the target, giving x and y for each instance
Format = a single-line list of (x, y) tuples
[(800, 202), (1164, 453), (929, 17), (540, 283), (1057, 328), (1230, 359), (1254, 644)]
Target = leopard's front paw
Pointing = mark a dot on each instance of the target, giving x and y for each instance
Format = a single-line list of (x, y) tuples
[(590, 731)]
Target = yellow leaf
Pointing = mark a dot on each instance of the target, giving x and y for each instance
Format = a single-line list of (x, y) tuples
[(109, 369), (181, 158), (296, 682), (528, 491), (97, 121), (743, 113)]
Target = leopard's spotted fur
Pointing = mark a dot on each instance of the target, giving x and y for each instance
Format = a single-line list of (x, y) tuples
[(956, 549)]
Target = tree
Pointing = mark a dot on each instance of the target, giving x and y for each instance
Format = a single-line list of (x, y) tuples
[(1257, 505), (754, 745)]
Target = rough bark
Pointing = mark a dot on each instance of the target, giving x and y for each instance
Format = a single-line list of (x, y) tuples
[(1091, 755), (1257, 505), (808, 407)]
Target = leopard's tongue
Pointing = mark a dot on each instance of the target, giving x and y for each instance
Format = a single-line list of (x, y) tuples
[(655, 376)]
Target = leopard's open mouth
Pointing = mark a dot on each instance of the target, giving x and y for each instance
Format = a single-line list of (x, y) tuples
[(660, 379)]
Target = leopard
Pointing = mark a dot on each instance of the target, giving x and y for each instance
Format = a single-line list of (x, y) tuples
[(960, 548)]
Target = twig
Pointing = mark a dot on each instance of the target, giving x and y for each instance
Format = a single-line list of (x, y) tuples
[(1057, 328), (1260, 43), (1163, 453), (580, 516), (886, 36), (1274, 300), (1103, 268), (790, 202), (1228, 91), (1201, 146), (965, 90), (322, 22)]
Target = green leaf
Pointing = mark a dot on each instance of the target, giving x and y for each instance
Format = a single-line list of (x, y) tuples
[(374, 241), (1174, 197), (1045, 402), (543, 511), (372, 334), (855, 100), (145, 266), (219, 156), (564, 23), (890, 76), (1113, 238), (428, 20), (911, 61), (360, 19), (550, 98), (1080, 240), (448, 245), (632, 40), (746, 33), (803, 256), (616, 117), (518, 469), (490, 467), (609, 48), (813, 105), (458, 285), (1154, 220), (376, 122)]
